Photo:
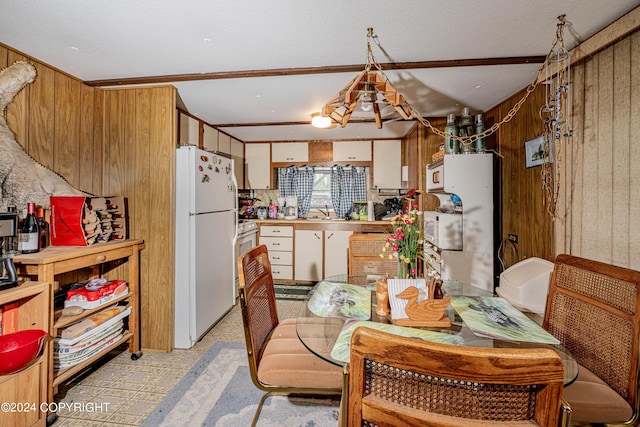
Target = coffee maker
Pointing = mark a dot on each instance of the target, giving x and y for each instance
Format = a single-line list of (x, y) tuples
[(291, 207), (8, 233)]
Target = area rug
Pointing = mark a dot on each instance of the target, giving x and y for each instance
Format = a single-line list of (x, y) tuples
[(292, 291), (218, 392)]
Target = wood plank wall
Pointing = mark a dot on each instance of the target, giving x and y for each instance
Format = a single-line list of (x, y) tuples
[(600, 195), (521, 202), (111, 142), (140, 132)]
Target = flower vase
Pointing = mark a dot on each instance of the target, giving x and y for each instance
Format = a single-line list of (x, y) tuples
[(408, 268)]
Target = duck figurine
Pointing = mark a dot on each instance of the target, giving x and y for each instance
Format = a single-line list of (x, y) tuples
[(429, 312), (431, 309)]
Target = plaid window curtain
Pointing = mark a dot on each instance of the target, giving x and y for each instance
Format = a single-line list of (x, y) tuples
[(347, 186), (294, 181)]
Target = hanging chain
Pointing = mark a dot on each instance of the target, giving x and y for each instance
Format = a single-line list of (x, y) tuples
[(557, 110), (465, 140)]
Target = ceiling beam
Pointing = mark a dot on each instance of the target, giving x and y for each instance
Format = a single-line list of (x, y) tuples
[(315, 70)]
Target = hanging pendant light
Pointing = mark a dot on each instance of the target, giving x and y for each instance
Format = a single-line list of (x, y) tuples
[(368, 89)]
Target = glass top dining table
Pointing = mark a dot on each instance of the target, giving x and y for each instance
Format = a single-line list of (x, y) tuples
[(319, 334)]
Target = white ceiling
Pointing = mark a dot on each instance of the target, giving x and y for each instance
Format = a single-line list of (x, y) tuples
[(120, 39)]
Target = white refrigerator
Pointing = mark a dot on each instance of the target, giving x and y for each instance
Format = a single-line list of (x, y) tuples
[(206, 224)]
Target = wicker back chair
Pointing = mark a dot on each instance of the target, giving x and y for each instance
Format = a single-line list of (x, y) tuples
[(399, 381), (278, 361), (364, 255), (594, 310)]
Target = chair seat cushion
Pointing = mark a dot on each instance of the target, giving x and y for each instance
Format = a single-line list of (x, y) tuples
[(287, 362), (592, 400)]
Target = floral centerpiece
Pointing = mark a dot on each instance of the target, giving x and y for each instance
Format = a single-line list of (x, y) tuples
[(405, 242)]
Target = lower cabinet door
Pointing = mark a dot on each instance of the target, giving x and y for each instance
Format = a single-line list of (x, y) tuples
[(308, 255), (336, 247)]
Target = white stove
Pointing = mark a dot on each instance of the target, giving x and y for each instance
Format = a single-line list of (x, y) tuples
[(247, 239), (247, 226)]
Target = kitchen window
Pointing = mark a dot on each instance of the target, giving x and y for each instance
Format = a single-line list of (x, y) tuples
[(321, 195)]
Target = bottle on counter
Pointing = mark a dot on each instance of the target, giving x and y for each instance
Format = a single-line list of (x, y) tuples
[(44, 228), (29, 239), (273, 210), (12, 241)]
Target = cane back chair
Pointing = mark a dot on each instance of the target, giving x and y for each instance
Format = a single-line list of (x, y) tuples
[(593, 308), (278, 361), (400, 381)]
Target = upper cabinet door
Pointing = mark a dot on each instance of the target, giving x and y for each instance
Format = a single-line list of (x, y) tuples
[(352, 151), (257, 166), (290, 152), (210, 138), (224, 143), (189, 131), (387, 164), (237, 154)]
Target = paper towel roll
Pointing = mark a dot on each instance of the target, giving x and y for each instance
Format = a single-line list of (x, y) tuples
[(370, 212)]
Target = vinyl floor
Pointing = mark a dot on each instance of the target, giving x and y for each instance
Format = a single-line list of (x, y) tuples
[(122, 392)]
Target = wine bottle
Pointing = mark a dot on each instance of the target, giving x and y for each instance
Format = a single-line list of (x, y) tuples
[(44, 228), (30, 231)]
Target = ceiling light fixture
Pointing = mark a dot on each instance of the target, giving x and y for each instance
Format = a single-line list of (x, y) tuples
[(320, 121), (369, 88)]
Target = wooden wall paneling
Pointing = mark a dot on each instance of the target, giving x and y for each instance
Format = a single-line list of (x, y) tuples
[(115, 146), (574, 170), (18, 111), (41, 122), (619, 145), (162, 188), (523, 208), (98, 140), (567, 166), (4, 52), (140, 217), (588, 247), (86, 146), (65, 144), (140, 125), (603, 230), (634, 153)]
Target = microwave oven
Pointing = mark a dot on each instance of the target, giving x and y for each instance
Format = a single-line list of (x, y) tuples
[(443, 230)]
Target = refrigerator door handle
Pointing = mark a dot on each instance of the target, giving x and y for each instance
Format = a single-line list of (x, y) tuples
[(236, 210)]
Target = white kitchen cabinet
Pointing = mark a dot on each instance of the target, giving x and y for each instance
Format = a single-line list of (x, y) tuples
[(224, 143), (257, 166), (237, 155), (210, 138), (352, 151), (336, 247), (308, 255), (319, 254), (387, 164), (290, 152), (189, 130), (279, 243)]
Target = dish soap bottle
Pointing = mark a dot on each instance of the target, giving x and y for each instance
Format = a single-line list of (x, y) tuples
[(273, 210)]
